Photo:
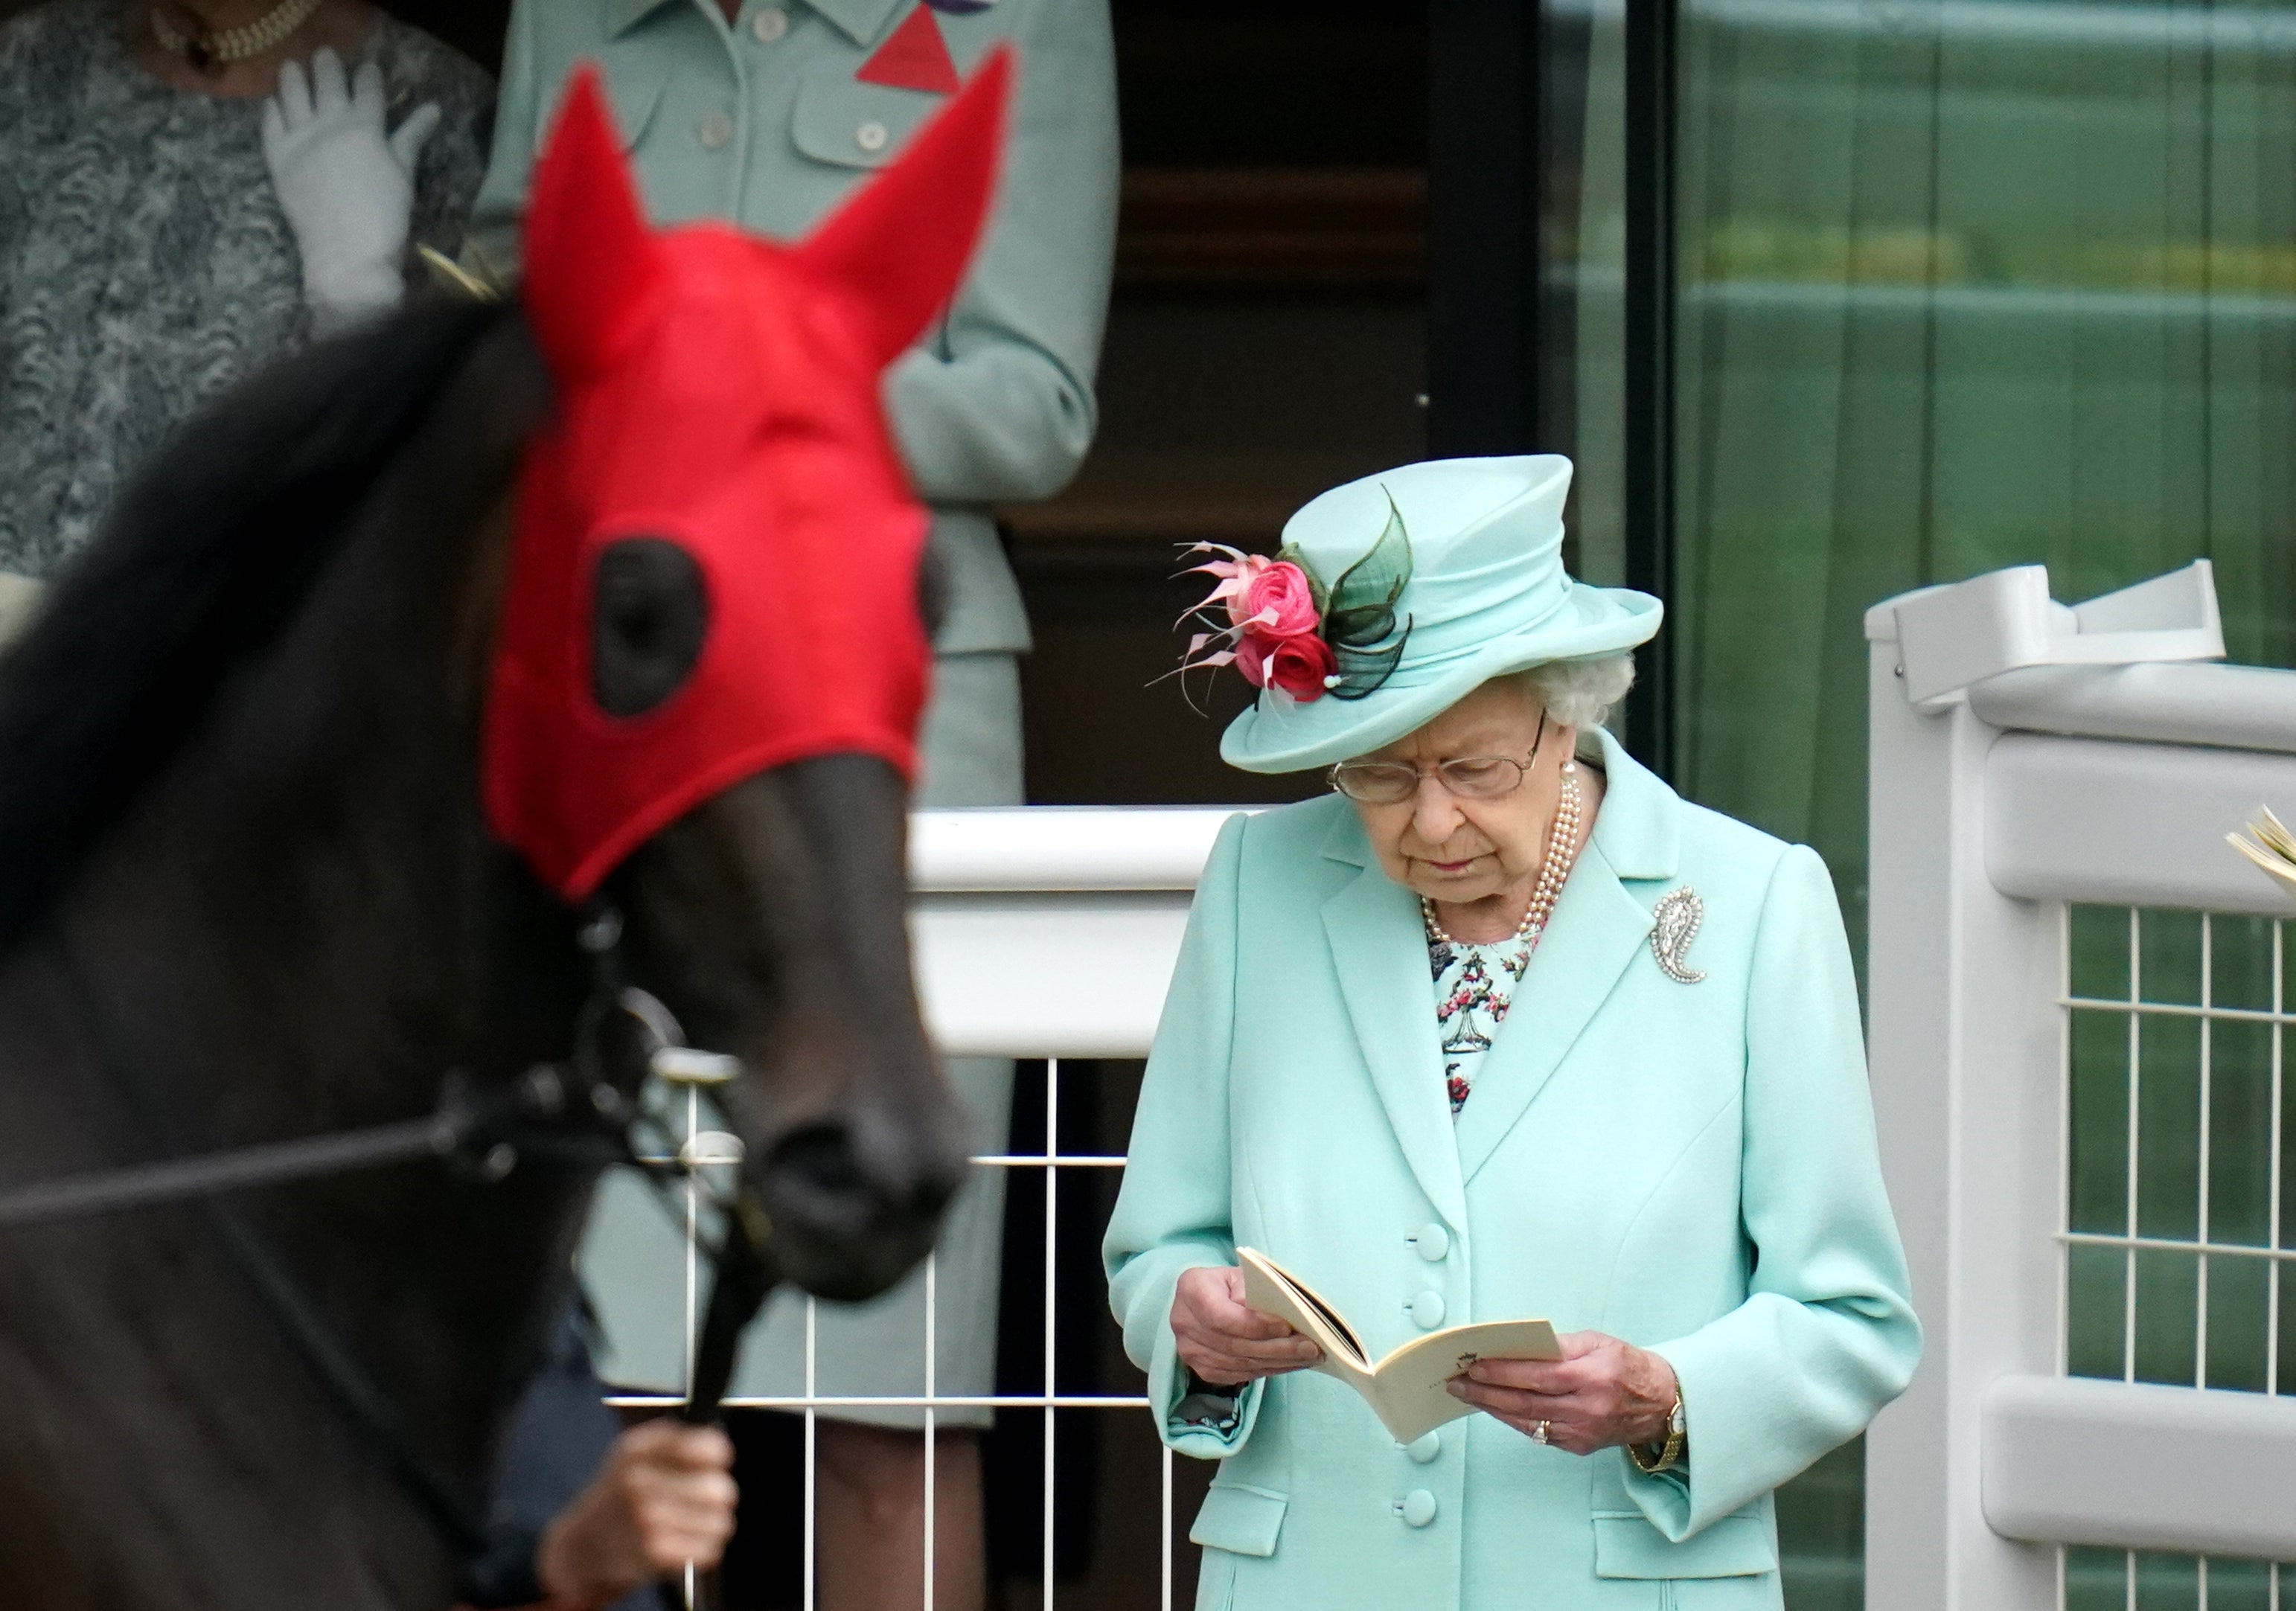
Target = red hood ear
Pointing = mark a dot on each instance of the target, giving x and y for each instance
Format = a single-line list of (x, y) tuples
[(589, 255), (901, 245)]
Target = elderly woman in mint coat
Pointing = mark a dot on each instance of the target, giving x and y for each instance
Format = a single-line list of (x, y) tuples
[(1634, 1104)]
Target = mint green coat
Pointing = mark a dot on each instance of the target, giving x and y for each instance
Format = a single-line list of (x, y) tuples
[(1690, 1167), (765, 123)]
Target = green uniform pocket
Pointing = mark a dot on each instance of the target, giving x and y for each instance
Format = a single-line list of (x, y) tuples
[(848, 124)]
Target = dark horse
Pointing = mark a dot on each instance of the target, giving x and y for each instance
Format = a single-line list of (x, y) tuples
[(247, 892)]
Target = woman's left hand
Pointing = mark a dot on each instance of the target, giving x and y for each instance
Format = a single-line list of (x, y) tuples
[(1601, 1394), (346, 185)]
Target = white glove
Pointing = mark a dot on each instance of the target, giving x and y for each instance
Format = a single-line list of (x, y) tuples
[(346, 188)]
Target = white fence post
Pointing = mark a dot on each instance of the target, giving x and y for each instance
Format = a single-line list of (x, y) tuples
[(1963, 1031), (1966, 996)]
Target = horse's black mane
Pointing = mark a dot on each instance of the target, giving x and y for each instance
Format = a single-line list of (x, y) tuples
[(203, 562)]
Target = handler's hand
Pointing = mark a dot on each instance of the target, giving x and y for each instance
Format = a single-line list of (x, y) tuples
[(664, 1497), (1601, 1394), (1226, 1343)]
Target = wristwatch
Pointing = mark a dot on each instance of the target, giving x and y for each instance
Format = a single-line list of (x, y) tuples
[(1667, 1454)]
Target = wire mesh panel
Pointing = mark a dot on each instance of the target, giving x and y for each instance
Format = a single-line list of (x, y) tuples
[(2175, 1258), (1062, 1487)]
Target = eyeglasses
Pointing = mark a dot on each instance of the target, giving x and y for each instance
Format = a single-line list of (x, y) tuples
[(1470, 777)]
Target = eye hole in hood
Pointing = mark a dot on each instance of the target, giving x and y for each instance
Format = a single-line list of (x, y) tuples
[(650, 617)]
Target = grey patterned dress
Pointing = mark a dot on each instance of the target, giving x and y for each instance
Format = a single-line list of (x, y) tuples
[(144, 263)]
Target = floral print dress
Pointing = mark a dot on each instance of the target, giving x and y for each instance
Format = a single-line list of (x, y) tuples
[(1474, 986)]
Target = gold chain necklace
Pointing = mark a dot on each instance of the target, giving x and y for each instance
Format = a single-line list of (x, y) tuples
[(210, 50), (1562, 855)]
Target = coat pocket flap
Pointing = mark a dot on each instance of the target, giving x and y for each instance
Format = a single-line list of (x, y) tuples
[(844, 121), (635, 83), (1240, 1519), (1733, 1545)]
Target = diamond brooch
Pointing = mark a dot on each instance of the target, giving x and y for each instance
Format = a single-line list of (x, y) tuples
[(1673, 925)]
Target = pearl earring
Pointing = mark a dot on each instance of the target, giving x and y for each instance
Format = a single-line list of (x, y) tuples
[(1571, 767)]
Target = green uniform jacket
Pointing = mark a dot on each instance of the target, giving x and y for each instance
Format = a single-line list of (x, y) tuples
[(1690, 1167), (765, 123)]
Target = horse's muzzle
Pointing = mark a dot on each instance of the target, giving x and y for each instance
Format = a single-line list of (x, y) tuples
[(856, 1202)]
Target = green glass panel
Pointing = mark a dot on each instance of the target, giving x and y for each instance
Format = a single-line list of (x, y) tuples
[(2240, 1132), (2170, 958), (2096, 1580), (1822, 1533), (2097, 1285), (2099, 961), (2287, 1142), (2241, 963), (2168, 1583), (2168, 1316), (2238, 1340), (2169, 1127), (2099, 1188), (2239, 1585), (2286, 1342), (1960, 287)]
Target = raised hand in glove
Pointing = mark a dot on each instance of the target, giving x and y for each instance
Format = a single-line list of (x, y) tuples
[(347, 187)]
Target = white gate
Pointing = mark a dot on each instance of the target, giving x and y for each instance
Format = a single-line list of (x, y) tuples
[(2077, 1019)]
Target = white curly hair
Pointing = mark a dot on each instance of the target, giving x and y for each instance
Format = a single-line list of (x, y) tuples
[(1578, 693)]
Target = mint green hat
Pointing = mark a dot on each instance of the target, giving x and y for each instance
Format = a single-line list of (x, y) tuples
[(1488, 595)]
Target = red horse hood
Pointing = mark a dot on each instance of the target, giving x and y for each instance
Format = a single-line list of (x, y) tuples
[(720, 394)]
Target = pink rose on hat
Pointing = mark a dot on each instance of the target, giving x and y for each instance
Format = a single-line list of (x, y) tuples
[(1273, 626), (1278, 603)]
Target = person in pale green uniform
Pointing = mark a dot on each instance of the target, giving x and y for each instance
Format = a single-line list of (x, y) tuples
[(1636, 1105), (769, 113)]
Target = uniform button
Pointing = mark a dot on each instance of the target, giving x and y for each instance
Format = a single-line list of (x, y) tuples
[(1418, 1508), (717, 132), (1426, 1311), (1426, 1449), (1433, 1242), (769, 25), (871, 136)]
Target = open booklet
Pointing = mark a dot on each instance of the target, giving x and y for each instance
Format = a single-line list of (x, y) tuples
[(1407, 1390), (2278, 855)]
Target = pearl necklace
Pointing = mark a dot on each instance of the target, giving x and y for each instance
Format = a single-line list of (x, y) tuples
[(211, 49), (1562, 855)]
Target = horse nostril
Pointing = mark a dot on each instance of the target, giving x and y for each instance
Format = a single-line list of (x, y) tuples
[(820, 1171), (824, 1176)]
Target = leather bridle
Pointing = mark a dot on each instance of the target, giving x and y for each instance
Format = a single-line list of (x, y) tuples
[(583, 1112)]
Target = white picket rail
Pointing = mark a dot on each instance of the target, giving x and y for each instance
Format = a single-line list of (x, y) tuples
[(2017, 773)]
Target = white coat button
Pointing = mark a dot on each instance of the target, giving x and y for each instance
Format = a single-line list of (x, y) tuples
[(1426, 1311), (1433, 1242), (1426, 1449), (717, 132), (871, 136), (1418, 1508), (769, 25)]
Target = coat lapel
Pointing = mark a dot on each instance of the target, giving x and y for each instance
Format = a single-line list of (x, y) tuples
[(1600, 926), (1597, 929), (1380, 950)]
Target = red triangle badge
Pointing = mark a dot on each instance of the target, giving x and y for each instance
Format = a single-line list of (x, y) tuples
[(916, 57)]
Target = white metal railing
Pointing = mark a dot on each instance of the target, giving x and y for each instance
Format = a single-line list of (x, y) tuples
[(1007, 901), (2088, 1174)]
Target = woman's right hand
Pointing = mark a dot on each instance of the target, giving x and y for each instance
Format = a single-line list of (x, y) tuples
[(1224, 1342)]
